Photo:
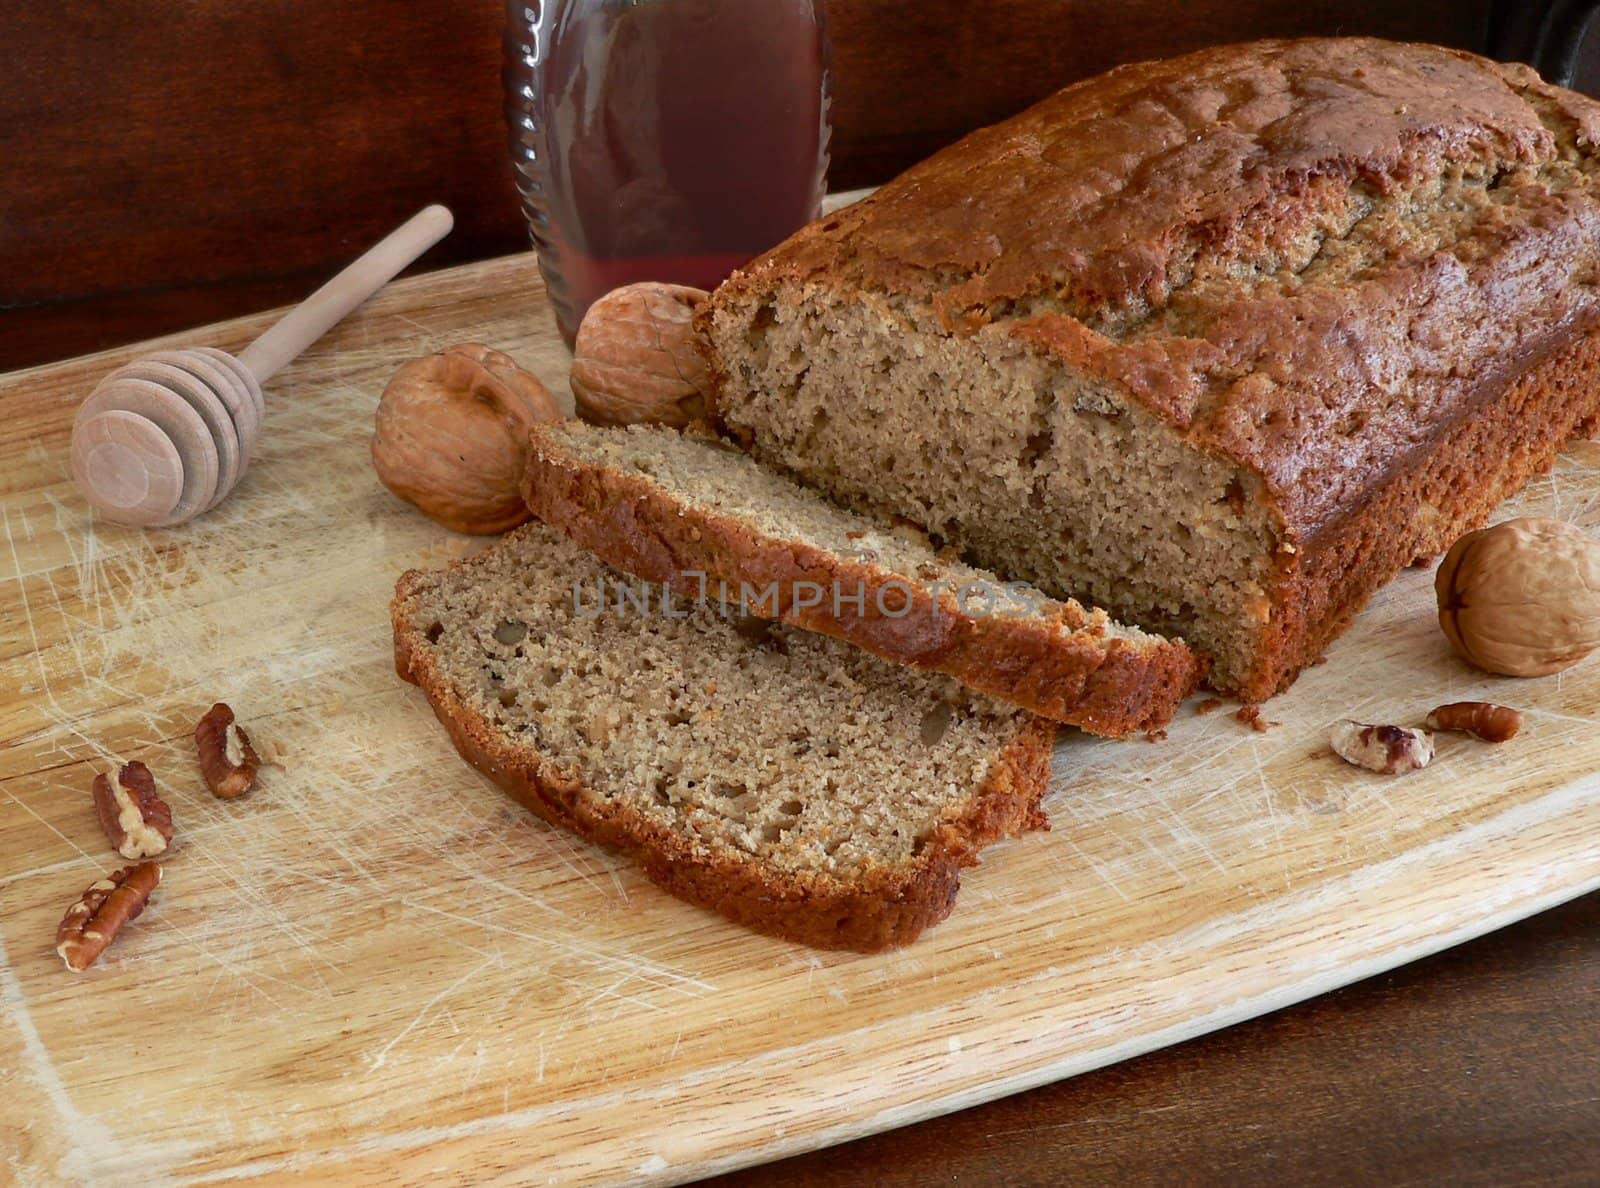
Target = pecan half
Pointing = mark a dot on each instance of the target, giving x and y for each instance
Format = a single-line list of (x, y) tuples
[(1387, 749), (1482, 719), (227, 760), (137, 822), (92, 923)]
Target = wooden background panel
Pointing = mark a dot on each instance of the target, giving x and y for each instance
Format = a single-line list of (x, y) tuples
[(169, 163), (912, 77), (157, 142)]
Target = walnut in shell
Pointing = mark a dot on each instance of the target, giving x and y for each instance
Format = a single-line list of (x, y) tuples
[(1521, 598), (636, 359), (452, 436)]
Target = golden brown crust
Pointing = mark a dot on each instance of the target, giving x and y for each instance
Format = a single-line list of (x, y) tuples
[(1474, 464), (1067, 668), (882, 909)]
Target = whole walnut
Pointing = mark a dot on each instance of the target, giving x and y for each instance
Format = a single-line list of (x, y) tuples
[(635, 358), (1521, 598), (452, 436)]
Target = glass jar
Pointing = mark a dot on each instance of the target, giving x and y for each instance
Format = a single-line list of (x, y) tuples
[(664, 140)]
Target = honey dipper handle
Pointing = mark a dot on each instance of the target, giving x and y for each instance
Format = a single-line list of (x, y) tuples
[(318, 313)]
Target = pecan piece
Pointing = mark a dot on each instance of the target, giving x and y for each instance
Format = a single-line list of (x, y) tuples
[(92, 923), (1481, 719), (227, 760), (1391, 750), (137, 821)]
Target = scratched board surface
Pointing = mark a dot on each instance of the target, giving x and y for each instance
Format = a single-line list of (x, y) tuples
[(378, 967)]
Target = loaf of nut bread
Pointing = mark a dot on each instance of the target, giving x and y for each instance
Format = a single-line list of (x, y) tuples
[(795, 784), (1218, 343), (711, 521)]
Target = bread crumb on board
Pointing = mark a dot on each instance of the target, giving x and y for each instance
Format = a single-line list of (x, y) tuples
[(1250, 715)]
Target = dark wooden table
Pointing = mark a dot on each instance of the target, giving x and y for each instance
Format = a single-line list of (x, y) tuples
[(1478, 1066)]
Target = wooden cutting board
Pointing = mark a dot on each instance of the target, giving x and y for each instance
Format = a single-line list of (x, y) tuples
[(378, 967)]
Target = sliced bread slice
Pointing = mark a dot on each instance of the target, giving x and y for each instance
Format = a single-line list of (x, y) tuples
[(793, 783), (709, 520)]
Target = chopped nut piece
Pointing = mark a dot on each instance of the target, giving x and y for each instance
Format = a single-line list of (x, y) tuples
[(1387, 749), (511, 632), (936, 723), (137, 821), (227, 759), (1482, 719), (92, 923)]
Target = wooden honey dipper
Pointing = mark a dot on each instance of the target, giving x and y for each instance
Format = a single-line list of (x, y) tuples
[(165, 438)]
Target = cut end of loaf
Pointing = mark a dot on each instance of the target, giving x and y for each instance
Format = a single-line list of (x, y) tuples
[(1030, 467), (785, 779)]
